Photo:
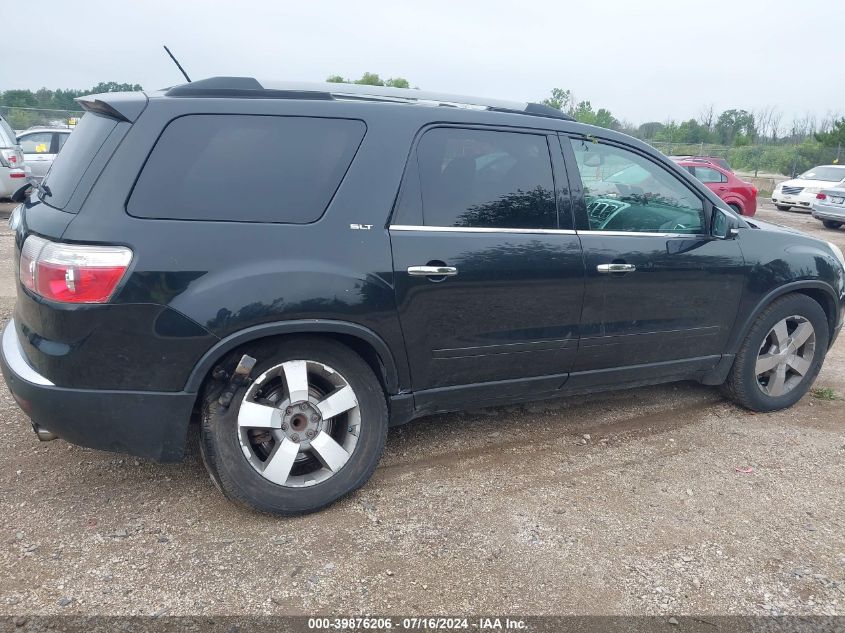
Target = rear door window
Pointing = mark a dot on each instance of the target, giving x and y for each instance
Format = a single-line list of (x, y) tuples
[(246, 168), (708, 175), (70, 165), (479, 178)]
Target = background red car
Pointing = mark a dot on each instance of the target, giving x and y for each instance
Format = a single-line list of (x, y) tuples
[(740, 195)]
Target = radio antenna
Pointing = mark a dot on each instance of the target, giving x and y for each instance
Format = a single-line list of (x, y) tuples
[(178, 65)]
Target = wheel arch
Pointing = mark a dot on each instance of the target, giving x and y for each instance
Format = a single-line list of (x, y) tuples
[(363, 341), (819, 291)]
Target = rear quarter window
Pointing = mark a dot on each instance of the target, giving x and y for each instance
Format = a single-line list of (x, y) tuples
[(246, 168), (75, 158)]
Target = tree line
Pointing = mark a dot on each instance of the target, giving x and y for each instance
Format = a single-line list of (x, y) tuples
[(754, 140), (751, 139)]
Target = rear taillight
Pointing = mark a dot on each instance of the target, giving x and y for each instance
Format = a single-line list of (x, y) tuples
[(8, 158), (72, 273), (821, 196)]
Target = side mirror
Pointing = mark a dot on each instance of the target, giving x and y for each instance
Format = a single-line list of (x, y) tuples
[(723, 225)]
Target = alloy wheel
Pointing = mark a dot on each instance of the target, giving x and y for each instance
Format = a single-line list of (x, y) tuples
[(299, 423), (785, 356)]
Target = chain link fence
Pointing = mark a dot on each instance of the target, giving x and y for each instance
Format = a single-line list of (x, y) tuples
[(24, 118), (769, 159)]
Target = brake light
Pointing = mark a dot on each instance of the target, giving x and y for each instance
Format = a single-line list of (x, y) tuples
[(821, 196), (72, 273)]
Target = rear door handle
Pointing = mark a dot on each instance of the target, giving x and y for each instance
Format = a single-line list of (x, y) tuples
[(616, 268), (432, 271)]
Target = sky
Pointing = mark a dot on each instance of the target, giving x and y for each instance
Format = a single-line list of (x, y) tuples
[(644, 60)]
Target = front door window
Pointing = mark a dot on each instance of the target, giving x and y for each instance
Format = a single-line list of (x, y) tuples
[(627, 192)]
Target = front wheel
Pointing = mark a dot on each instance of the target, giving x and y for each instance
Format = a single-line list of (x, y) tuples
[(831, 224), (781, 355), (783, 207), (309, 429)]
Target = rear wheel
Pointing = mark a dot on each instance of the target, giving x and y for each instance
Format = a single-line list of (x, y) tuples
[(831, 224), (309, 429), (782, 207), (781, 355)]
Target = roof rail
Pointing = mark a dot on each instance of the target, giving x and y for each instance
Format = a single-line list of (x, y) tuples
[(248, 87)]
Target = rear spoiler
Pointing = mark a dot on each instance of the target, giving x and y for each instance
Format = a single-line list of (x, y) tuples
[(123, 106)]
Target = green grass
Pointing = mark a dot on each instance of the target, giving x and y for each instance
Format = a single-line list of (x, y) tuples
[(824, 393)]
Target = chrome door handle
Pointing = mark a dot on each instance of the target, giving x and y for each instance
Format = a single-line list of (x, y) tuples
[(616, 268), (432, 271)]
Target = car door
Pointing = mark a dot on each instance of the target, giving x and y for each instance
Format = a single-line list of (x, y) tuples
[(489, 277), (39, 150), (661, 295)]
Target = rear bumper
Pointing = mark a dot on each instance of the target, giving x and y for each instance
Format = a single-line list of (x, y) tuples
[(829, 212), (148, 424), (11, 179)]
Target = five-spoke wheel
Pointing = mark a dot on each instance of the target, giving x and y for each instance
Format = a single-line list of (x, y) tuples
[(781, 354), (299, 423), (786, 355), (308, 429)]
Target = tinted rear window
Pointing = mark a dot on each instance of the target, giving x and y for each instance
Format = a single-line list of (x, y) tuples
[(76, 155), (246, 168), (480, 178)]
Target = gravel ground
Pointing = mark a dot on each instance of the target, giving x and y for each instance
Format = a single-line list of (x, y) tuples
[(618, 503)]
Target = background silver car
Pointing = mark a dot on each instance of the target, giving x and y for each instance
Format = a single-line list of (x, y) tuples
[(40, 146), (12, 175), (829, 207)]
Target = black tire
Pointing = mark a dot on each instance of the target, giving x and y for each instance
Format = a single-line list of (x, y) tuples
[(742, 385), (781, 207), (235, 476), (831, 224), (736, 208)]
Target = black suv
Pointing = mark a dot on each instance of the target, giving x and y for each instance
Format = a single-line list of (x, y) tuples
[(297, 267)]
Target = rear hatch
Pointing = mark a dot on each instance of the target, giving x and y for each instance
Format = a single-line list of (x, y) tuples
[(62, 287)]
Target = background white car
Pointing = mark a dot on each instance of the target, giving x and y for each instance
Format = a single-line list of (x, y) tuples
[(801, 191), (40, 146)]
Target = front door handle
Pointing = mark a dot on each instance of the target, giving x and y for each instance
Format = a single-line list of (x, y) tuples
[(616, 268), (432, 271)]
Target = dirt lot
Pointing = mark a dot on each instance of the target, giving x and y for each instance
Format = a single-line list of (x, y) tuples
[(507, 510)]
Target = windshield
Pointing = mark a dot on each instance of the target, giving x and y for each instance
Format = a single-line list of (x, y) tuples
[(76, 155), (833, 174)]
